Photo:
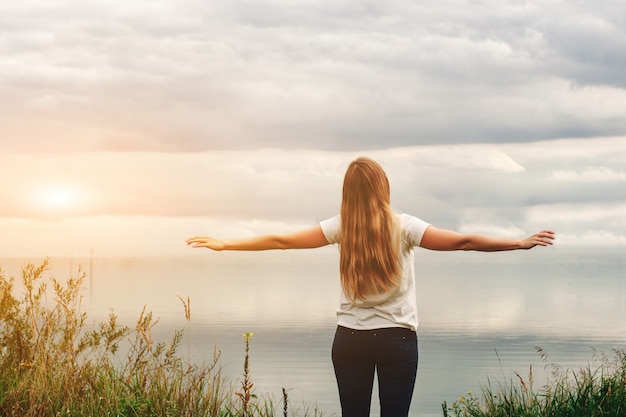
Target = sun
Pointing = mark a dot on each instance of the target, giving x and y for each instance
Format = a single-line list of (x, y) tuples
[(58, 197)]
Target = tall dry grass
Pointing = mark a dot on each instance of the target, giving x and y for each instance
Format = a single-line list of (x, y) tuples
[(597, 390), (52, 364)]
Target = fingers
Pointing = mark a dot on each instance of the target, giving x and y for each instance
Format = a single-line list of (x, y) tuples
[(196, 239), (205, 242), (545, 237), (196, 244)]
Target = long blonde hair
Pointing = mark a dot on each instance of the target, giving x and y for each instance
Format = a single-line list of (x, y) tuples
[(369, 262)]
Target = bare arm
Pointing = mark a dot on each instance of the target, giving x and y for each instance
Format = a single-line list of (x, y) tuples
[(303, 239), (441, 239)]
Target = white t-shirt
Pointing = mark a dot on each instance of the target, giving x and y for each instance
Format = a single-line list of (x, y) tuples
[(395, 309)]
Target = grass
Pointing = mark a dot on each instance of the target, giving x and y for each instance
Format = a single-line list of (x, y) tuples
[(52, 364), (597, 390)]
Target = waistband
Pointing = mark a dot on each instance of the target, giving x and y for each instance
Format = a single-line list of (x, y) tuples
[(381, 331)]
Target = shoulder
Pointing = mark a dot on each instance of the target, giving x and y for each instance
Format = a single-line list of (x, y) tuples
[(408, 221), (332, 229), (413, 228)]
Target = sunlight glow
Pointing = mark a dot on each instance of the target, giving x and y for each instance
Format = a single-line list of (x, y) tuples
[(58, 197)]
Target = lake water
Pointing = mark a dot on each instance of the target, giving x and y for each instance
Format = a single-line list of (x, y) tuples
[(481, 315)]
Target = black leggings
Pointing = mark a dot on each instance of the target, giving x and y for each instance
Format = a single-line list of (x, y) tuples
[(392, 352)]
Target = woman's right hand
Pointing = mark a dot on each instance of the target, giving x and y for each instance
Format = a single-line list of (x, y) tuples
[(543, 238)]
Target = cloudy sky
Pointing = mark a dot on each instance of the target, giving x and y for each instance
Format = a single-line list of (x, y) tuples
[(126, 127)]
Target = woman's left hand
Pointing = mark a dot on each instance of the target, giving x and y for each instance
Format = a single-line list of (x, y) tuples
[(205, 242)]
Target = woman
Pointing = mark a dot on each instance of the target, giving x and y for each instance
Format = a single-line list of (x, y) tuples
[(377, 315)]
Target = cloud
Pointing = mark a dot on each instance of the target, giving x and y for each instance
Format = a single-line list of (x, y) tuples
[(572, 186), (594, 238), (591, 174), (194, 76), (584, 223), (271, 182), (589, 47)]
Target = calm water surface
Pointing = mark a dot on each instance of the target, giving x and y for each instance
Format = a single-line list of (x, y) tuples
[(481, 315)]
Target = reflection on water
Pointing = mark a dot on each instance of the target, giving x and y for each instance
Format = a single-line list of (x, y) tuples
[(481, 315)]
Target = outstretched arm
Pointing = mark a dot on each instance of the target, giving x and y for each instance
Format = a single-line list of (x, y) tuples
[(441, 239), (303, 239)]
